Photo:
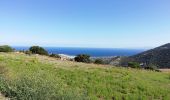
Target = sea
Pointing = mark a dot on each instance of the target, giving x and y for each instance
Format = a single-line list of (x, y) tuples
[(93, 52)]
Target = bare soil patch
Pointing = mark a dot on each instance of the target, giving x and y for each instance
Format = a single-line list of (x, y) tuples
[(165, 70)]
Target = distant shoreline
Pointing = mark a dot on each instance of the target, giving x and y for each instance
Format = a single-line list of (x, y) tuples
[(93, 52)]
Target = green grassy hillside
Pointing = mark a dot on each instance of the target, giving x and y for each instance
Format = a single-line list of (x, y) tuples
[(42, 78)]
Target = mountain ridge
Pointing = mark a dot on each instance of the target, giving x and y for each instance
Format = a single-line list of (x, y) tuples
[(159, 56)]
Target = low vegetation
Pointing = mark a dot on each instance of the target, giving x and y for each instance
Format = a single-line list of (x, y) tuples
[(99, 61), (133, 65), (38, 50), (55, 55), (82, 58), (6, 48), (152, 67), (27, 52), (33, 77)]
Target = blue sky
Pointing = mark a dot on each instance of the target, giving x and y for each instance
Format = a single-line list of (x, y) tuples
[(85, 23)]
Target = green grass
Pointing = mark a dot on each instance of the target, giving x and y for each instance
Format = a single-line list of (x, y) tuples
[(41, 78)]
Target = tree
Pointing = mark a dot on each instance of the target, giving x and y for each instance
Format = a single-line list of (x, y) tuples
[(6, 48), (133, 64), (99, 61), (82, 58), (38, 50)]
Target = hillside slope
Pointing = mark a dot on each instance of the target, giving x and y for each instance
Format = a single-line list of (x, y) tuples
[(159, 56), (33, 77)]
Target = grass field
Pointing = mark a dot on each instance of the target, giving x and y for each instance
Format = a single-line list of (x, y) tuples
[(34, 77)]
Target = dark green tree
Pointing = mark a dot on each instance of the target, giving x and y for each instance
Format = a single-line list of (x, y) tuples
[(6, 48), (82, 58), (99, 61), (38, 50)]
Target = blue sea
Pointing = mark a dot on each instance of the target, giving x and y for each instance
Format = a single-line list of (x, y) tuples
[(94, 52)]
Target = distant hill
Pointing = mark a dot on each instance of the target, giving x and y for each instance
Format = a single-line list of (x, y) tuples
[(159, 56)]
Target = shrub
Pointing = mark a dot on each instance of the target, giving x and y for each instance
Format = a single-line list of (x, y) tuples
[(133, 64), (99, 61), (38, 50), (152, 67), (6, 48), (55, 55), (82, 58), (28, 52)]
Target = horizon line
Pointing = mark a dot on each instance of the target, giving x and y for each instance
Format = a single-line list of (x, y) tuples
[(145, 48)]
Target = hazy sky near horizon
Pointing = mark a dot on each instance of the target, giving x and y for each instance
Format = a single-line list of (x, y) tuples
[(85, 23)]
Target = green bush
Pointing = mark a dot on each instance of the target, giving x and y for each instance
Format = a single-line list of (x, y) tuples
[(152, 67), (6, 48), (82, 58), (54, 55), (99, 61), (38, 50), (133, 65)]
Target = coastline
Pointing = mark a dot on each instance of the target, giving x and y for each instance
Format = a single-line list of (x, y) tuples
[(93, 52)]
